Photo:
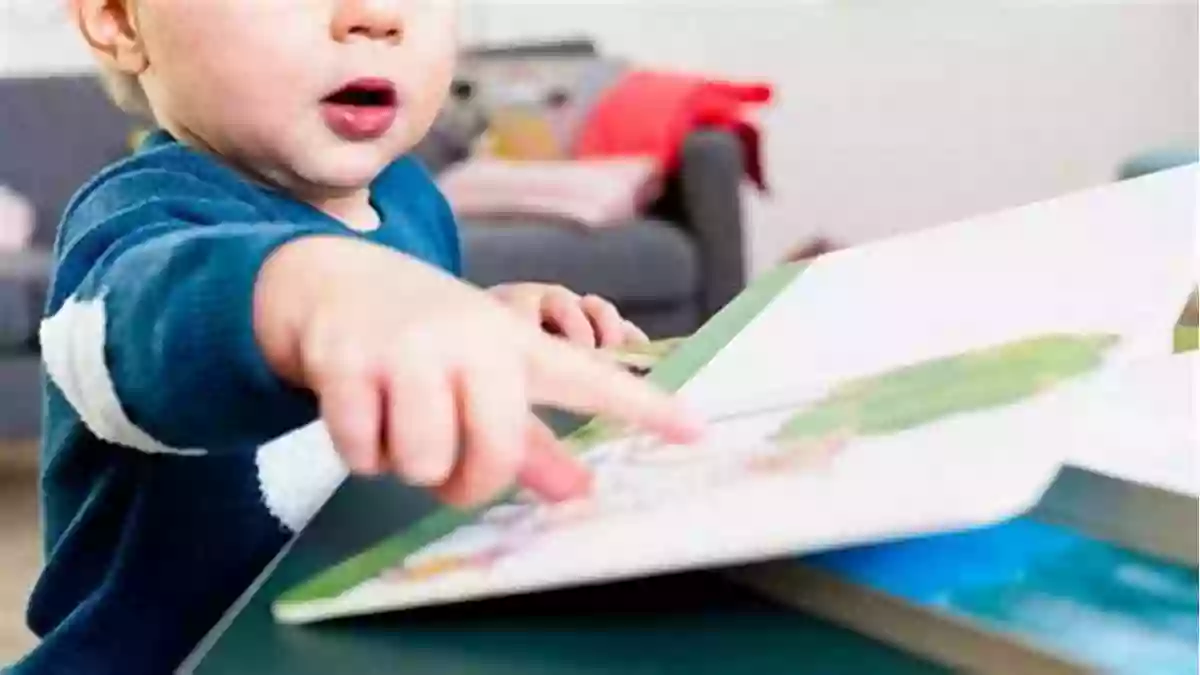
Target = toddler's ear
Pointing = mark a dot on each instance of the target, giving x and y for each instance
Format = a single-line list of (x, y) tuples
[(110, 28)]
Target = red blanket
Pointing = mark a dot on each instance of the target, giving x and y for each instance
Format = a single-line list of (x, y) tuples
[(650, 113)]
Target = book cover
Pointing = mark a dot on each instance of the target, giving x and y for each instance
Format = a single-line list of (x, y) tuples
[(1023, 596)]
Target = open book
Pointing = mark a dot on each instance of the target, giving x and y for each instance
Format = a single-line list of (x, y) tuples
[(1099, 577), (900, 389)]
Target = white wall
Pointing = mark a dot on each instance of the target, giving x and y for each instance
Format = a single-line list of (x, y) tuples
[(891, 114), (898, 114), (36, 39)]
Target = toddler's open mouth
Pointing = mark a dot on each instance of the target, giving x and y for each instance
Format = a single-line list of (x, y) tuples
[(362, 109)]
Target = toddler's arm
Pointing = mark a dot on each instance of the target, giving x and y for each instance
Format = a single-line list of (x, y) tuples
[(183, 322), (150, 332)]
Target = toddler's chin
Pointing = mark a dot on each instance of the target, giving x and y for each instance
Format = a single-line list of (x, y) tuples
[(344, 168)]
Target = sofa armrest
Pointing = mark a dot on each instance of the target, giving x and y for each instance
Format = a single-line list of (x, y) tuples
[(24, 278), (20, 390), (709, 204)]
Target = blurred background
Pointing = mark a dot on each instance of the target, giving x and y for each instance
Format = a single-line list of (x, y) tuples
[(889, 116), (892, 116), (885, 117)]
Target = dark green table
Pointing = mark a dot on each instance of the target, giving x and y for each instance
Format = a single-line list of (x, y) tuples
[(693, 623)]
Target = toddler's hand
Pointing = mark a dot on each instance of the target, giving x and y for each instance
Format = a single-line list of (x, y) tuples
[(419, 374), (588, 321)]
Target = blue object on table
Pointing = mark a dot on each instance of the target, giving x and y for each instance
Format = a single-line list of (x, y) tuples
[(1093, 602), (1157, 160)]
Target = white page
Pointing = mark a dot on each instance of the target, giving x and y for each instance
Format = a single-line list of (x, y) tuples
[(1138, 423), (1115, 260)]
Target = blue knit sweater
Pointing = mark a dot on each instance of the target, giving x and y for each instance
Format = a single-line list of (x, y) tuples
[(175, 464)]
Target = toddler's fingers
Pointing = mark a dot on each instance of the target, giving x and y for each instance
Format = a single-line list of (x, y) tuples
[(565, 310), (529, 308), (351, 409), (609, 326), (548, 470), (635, 335), (493, 411), (422, 427), (563, 376)]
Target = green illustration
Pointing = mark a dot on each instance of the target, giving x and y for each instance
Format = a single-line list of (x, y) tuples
[(926, 392)]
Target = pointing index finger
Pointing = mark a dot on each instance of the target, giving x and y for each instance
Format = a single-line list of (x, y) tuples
[(564, 376)]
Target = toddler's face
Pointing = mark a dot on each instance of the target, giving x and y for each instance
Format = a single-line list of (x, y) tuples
[(317, 96)]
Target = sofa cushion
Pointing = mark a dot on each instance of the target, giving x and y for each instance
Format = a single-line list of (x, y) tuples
[(20, 388), (639, 263), (57, 133), (597, 193)]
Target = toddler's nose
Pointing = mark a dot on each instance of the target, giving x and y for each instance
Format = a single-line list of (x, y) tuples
[(369, 19)]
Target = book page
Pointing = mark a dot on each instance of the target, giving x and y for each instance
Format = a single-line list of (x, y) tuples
[(1115, 260), (1138, 423), (903, 388)]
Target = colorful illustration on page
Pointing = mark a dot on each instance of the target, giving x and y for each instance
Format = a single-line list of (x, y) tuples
[(637, 474)]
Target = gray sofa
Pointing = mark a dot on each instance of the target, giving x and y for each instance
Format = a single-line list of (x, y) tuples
[(668, 271)]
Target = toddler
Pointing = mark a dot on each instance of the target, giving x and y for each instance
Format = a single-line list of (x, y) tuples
[(270, 257)]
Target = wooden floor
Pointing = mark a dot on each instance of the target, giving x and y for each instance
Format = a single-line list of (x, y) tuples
[(20, 545)]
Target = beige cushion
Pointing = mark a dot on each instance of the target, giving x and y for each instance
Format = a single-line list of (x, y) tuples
[(592, 193)]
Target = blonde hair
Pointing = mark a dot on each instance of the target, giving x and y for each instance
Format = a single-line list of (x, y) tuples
[(125, 91)]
